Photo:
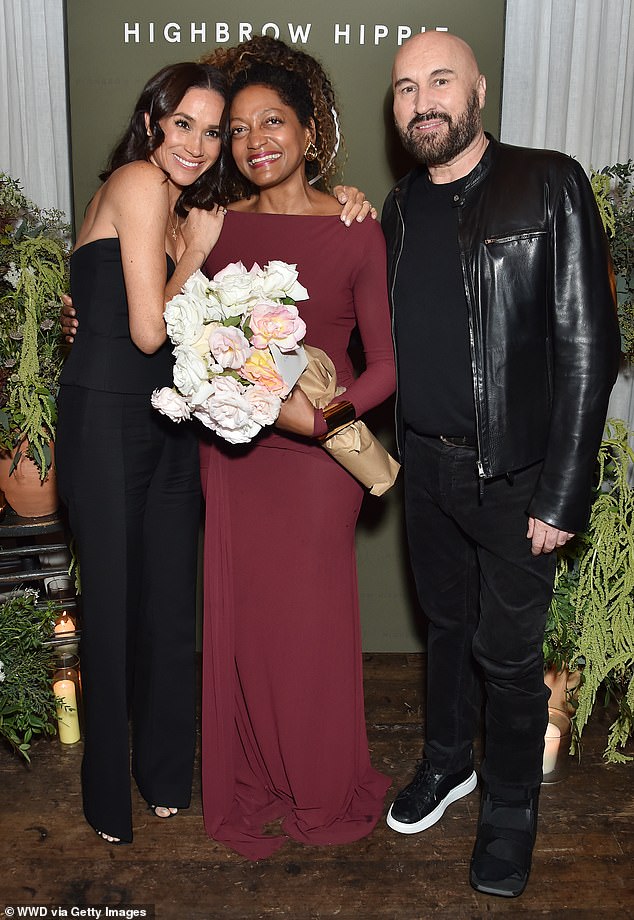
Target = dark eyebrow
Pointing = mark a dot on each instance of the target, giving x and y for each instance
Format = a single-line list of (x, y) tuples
[(261, 114), (189, 118)]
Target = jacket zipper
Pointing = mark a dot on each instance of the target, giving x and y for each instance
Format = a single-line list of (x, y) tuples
[(527, 235), (476, 395)]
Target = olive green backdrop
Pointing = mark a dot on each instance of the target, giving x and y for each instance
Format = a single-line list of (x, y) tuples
[(115, 45)]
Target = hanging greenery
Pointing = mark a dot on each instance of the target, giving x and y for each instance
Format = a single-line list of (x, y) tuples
[(34, 248)]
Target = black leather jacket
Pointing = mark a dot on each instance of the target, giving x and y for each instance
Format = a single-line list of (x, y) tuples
[(544, 335)]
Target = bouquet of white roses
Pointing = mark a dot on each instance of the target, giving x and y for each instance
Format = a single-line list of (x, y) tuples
[(230, 334)]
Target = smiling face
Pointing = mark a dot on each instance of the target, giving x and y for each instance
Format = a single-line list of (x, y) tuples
[(267, 140), (438, 95), (191, 143)]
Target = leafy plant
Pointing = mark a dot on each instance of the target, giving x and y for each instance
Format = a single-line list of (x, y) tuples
[(34, 247), (27, 703), (591, 618), (613, 188)]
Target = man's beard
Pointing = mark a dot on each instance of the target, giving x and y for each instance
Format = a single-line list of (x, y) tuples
[(439, 148)]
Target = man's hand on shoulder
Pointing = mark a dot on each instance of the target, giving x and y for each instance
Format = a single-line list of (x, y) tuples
[(544, 537)]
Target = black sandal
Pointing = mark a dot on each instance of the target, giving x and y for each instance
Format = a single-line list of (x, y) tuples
[(172, 814)]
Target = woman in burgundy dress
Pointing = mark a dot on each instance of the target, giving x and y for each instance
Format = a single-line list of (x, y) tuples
[(285, 751)]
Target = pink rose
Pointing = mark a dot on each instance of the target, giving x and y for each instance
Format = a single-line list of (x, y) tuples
[(229, 346), (265, 405), (170, 403), (279, 323), (260, 368)]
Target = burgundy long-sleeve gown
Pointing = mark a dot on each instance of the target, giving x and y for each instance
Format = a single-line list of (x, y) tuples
[(283, 718)]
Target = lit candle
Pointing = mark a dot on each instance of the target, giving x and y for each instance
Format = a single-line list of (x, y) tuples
[(67, 716), (64, 624), (552, 740)]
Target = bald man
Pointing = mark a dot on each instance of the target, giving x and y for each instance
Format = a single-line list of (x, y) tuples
[(508, 346)]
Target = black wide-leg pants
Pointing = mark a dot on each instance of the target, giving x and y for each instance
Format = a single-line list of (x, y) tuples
[(130, 480), (486, 598)]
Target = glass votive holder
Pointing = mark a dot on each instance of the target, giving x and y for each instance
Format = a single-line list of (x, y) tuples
[(556, 761), (58, 587), (66, 639), (67, 691)]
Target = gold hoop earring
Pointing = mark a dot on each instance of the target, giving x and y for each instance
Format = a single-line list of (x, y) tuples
[(311, 153)]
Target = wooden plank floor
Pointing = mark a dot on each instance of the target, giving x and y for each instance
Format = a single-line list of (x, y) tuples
[(583, 864)]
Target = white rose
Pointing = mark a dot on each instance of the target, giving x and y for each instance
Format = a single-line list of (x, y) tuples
[(198, 288), (200, 395), (197, 285), (229, 346), (170, 403), (184, 316), (279, 280), (228, 413), (233, 268), (189, 370), (265, 405), (213, 308), (233, 287), (201, 345)]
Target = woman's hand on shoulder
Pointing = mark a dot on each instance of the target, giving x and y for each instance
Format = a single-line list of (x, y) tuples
[(355, 204), (67, 319), (202, 229)]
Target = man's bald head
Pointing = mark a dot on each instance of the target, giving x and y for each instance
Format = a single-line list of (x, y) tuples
[(438, 96), (425, 44)]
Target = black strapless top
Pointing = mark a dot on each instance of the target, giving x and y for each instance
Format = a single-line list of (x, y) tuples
[(104, 357)]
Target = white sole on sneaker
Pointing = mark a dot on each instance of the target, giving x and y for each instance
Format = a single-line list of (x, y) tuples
[(458, 792)]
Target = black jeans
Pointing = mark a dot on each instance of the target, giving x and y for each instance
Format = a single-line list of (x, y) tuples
[(486, 598)]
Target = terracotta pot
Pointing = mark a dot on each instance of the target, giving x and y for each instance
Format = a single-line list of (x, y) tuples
[(27, 494), (563, 686)]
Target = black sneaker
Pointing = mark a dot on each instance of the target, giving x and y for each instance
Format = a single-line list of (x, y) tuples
[(424, 801), (501, 861)]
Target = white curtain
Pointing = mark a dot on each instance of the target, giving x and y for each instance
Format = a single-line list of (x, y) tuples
[(569, 85), (33, 117), (569, 78)]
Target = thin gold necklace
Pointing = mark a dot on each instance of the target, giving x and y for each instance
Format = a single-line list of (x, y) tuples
[(173, 227)]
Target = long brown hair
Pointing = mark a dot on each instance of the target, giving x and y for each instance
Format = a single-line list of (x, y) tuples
[(159, 98)]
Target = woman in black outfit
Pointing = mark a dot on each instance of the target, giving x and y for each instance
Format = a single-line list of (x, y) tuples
[(130, 477)]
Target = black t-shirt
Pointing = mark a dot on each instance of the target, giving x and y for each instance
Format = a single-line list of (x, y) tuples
[(430, 315)]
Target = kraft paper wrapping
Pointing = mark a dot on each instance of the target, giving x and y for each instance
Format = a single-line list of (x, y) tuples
[(354, 447)]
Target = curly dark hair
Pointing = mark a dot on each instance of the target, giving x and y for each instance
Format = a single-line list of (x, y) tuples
[(262, 49), (160, 97)]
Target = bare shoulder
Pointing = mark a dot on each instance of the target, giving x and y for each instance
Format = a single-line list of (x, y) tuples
[(325, 205), (138, 176)]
